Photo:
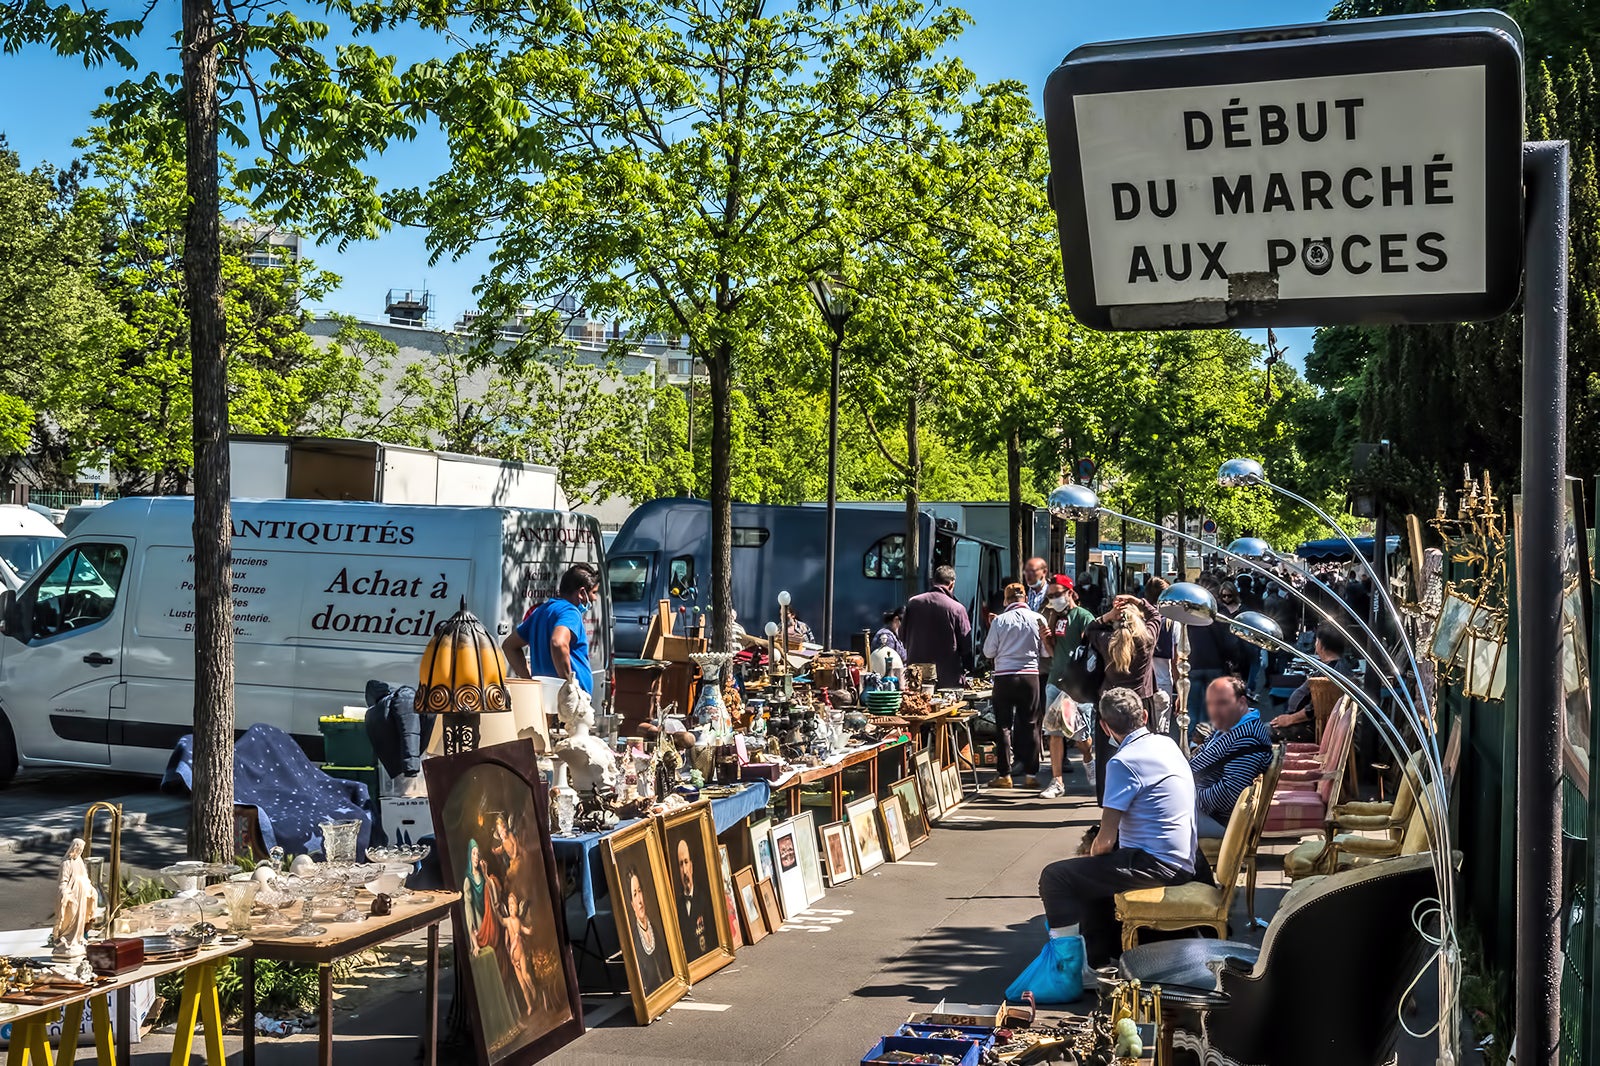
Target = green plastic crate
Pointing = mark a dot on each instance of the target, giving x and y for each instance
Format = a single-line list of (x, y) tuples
[(345, 743)]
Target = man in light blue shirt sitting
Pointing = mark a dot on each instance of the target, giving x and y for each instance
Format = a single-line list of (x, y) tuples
[(1146, 837)]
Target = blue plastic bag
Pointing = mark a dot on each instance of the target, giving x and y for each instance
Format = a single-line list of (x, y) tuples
[(1056, 976)]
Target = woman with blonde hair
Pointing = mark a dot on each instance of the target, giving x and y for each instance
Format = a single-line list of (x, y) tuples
[(1125, 637)]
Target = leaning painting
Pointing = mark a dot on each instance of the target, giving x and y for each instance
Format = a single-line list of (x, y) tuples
[(491, 823)]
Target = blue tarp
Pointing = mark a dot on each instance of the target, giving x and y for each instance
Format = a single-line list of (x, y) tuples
[(272, 774), (1334, 548)]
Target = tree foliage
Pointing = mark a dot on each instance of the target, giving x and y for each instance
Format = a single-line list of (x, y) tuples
[(1449, 395), (670, 161)]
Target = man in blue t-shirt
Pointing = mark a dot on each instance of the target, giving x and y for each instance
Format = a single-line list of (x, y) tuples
[(551, 640), (1147, 834)]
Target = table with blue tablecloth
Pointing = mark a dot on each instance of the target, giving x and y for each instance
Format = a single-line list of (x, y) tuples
[(588, 875)]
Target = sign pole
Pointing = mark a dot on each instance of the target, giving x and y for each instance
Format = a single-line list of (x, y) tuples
[(1539, 688)]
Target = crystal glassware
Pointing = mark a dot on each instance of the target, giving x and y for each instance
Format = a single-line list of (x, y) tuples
[(307, 891), (240, 897), (339, 840)]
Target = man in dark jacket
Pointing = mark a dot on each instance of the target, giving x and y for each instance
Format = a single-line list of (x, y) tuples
[(1236, 753), (937, 629), (1213, 652)]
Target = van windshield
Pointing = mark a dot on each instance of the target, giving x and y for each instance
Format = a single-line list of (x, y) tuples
[(27, 553), (630, 578)]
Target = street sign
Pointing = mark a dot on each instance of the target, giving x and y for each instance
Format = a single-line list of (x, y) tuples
[(1208, 527), (1366, 171), (1085, 470)]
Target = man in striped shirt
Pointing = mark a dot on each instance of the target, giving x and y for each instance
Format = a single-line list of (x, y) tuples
[(1237, 752)]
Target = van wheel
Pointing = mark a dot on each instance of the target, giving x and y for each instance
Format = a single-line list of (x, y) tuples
[(8, 752)]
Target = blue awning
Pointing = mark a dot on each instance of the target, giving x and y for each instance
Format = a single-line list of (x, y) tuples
[(1334, 548)]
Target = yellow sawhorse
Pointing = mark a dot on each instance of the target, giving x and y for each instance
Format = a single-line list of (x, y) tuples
[(30, 1037)]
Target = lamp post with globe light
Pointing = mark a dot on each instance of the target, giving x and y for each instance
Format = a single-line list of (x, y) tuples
[(834, 302)]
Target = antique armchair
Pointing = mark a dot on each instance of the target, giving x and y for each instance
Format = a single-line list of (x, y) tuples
[(1304, 997), (1345, 841), (1212, 847), (1193, 905), (1304, 796)]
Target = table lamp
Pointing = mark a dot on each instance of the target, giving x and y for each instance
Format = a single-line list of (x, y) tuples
[(463, 675)]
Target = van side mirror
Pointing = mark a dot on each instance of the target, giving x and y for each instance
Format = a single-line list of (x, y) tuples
[(11, 615)]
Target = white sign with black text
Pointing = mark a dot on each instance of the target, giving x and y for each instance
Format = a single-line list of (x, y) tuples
[(1360, 171), (1341, 186)]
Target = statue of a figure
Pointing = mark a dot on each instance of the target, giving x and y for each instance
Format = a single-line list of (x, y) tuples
[(75, 903), (589, 761)]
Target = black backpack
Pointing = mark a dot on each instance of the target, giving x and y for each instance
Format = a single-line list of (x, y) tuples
[(1085, 673)]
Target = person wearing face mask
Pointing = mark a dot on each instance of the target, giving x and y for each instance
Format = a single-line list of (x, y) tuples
[(1067, 622), (551, 640)]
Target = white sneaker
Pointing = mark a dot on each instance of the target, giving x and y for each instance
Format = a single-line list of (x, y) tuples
[(1054, 789), (1091, 771)]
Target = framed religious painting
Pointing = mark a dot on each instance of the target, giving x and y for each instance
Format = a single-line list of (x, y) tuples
[(744, 886), (926, 771), (839, 852), (727, 890), (862, 814), (895, 838), (699, 902), (791, 878), (805, 835), (647, 927), (916, 819), (492, 836)]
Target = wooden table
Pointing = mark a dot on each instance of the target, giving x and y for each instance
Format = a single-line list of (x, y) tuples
[(340, 940), (832, 774), (30, 1025)]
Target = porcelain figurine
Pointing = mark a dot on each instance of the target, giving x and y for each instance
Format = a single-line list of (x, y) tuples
[(74, 903), (588, 760)]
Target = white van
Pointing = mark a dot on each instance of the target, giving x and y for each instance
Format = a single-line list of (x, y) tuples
[(97, 657), (26, 537)]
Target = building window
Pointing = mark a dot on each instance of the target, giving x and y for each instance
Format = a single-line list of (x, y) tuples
[(749, 536), (886, 558)]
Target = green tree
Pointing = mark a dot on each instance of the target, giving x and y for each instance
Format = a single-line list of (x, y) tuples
[(669, 161), (58, 328), (318, 112), (1447, 395)]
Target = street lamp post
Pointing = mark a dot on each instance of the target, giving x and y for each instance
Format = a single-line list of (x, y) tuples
[(834, 302)]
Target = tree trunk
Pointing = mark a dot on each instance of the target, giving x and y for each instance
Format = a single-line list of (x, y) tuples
[(211, 816), (913, 500), (720, 366), (1155, 564), (1014, 497), (1183, 545)]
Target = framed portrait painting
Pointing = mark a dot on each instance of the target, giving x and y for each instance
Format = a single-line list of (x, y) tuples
[(744, 885), (862, 814), (926, 771), (805, 835), (647, 928), (491, 826), (895, 838), (791, 877), (699, 903), (916, 819), (839, 851)]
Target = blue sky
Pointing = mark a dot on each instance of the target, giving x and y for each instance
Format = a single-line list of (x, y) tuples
[(50, 101)]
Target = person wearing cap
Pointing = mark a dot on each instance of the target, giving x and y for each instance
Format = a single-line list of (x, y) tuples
[(1066, 620)]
